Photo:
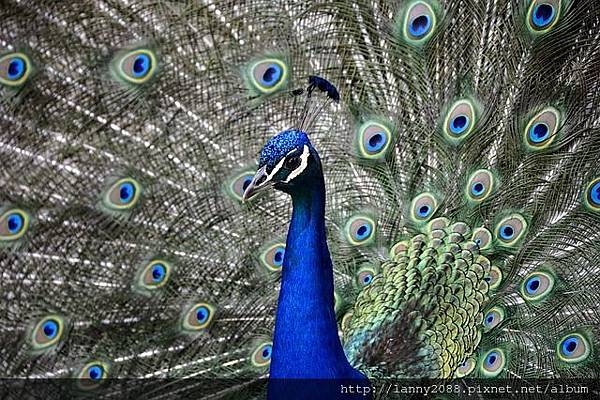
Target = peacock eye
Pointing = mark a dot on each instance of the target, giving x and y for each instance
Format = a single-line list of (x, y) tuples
[(154, 275), (373, 140), (272, 257), (360, 230), (543, 15), (92, 374), (511, 229), (573, 348), (493, 362), (291, 163), (236, 186), (482, 237), (198, 317), (541, 129), (365, 276), (419, 22), (537, 286), (494, 278), (13, 224), (15, 69), (466, 367), (47, 332), (123, 194), (261, 356), (460, 120), (480, 185), (593, 195), (137, 66), (267, 76), (493, 318), (423, 207)]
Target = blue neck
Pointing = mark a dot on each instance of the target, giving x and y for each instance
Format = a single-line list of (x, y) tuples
[(306, 342)]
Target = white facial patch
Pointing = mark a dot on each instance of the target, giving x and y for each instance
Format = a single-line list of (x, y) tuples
[(302, 166)]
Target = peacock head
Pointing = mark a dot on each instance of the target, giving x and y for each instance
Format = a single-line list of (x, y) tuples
[(288, 162)]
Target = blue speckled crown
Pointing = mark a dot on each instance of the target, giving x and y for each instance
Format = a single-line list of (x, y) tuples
[(280, 145)]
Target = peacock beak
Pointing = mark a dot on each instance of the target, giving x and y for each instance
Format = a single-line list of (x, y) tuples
[(261, 181)]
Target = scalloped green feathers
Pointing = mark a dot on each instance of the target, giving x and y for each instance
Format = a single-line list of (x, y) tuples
[(360, 230), (543, 15), (197, 317), (541, 130), (266, 75), (418, 22), (15, 69), (373, 140), (153, 275), (592, 195), (460, 121), (134, 67), (14, 223), (271, 256), (47, 333)]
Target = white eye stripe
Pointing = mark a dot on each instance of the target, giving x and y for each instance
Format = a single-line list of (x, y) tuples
[(303, 164)]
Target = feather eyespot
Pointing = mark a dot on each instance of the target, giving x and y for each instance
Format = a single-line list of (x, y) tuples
[(13, 224), (592, 196), (267, 75), (573, 348), (483, 238), (537, 285), (493, 318), (466, 367), (198, 317), (373, 140), (480, 185), (542, 128), (137, 66), (494, 278), (236, 185), (460, 120), (493, 362), (543, 15), (15, 69), (47, 332), (92, 374), (511, 229), (360, 230), (272, 257), (154, 275), (423, 207), (261, 356), (123, 194), (365, 276), (419, 22)]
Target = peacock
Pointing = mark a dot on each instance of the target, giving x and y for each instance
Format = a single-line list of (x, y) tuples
[(205, 194)]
